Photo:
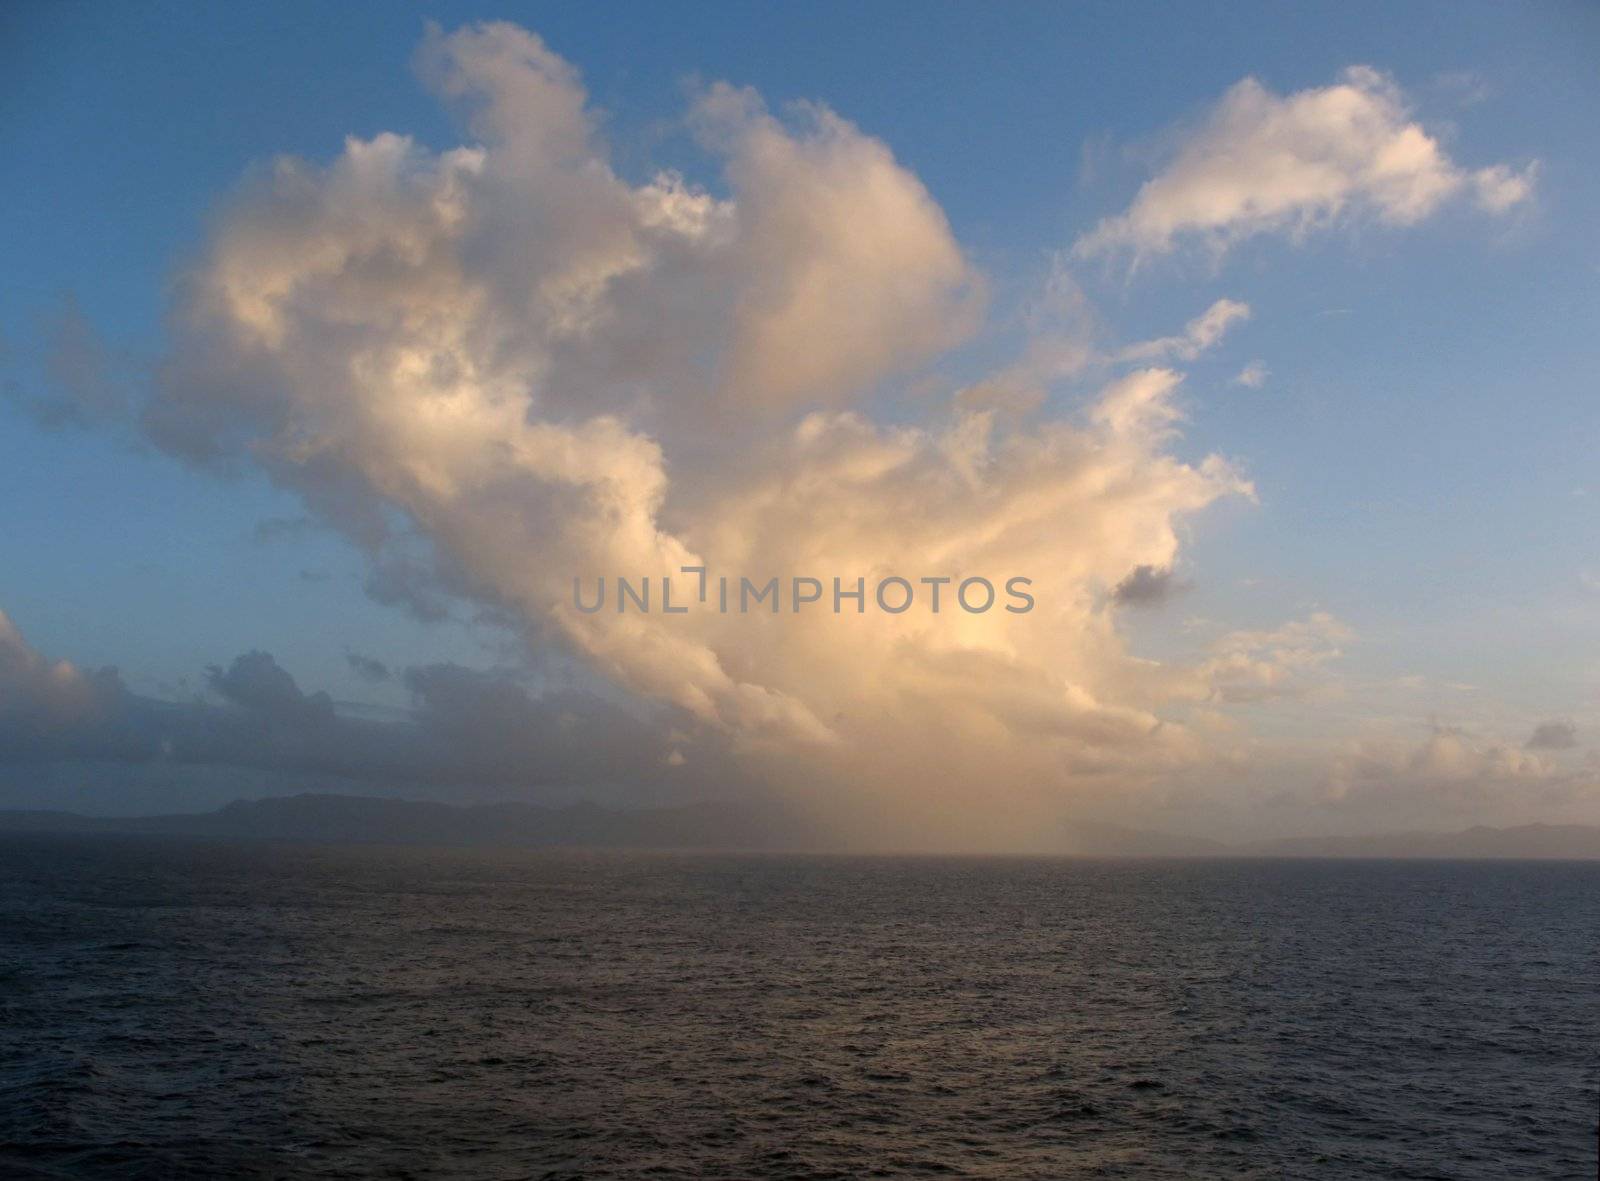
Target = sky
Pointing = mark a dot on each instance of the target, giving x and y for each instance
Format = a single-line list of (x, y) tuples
[(336, 342)]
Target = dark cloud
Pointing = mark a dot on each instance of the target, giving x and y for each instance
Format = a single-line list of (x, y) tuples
[(1553, 736), (406, 582), (1148, 586), (496, 730), (255, 682), (470, 733), (368, 668)]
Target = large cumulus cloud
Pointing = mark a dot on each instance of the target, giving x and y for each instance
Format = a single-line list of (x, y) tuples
[(545, 371)]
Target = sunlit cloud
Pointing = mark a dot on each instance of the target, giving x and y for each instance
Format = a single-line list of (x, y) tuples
[(1260, 162), (546, 372), (505, 369)]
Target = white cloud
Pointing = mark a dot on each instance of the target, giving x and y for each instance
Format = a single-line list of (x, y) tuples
[(1499, 187), (1289, 661), (1253, 376), (1452, 773), (834, 242), (1260, 162), (1200, 334)]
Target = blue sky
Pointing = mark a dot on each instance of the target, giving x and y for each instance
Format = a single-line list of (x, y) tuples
[(1422, 448)]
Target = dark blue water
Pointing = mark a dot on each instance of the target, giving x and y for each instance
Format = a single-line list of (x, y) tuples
[(176, 1010)]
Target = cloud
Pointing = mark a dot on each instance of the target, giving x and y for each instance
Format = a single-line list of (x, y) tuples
[(1499, 187), (470, 732), (1465, 88), (1453, 756), (255, 682), (1451, 773), (1289, 661), (489, 728), (398, 579), (1261, 163), (1553, 736), (48, 706), (831, 240), (1200, 334), (1253, 376), (500, 367), (368, 668), (71, 734), (1146, 586)]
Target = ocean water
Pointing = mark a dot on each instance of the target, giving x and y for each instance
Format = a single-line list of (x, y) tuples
[(184, 1010)]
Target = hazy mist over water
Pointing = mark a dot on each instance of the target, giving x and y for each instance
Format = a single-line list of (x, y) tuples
[(183, 1009)]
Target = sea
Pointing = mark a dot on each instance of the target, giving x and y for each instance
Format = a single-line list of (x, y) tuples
[(176, 1009)]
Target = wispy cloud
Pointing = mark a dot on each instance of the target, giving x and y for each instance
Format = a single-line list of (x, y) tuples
[(1261, 163), (1200, 334), (1253, 376)]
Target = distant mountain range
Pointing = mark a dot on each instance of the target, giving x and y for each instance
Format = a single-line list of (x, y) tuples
[(1526, 841), (1523, 842), (374, 820)]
